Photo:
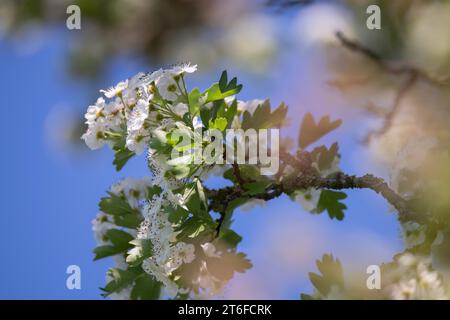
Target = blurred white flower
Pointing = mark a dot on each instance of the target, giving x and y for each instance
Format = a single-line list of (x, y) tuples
[(308, 199)]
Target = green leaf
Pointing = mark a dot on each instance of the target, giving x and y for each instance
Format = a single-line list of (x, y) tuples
[(195, 200), (329, 200), (121, 153), (324, 157), (214, 93), (230, 112), (142, 250), (219, 124), (123, 214), (180, 171), (254, 188), (311, 132), (192, 228), (106, 251), (201, 195), (222, 89), (223, 82), (263, 118), (154, 190), (230, 237), (194, 101), (119, 238), (121, 279), (146, 288), (121, 157), (119, 244), (210, 111), (248, 173), (231, 206), (131, 221), (176, 215), (331, 274), (115, 204)]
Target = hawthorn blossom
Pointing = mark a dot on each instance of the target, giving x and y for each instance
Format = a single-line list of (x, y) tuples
[(134, 190), (100, 225), (308, 199), (95, 137), (115, 90), (183, 68), (415, 280)]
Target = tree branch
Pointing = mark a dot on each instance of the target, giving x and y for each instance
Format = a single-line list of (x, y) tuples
[(412, 75), (306, 178), (408, 70)]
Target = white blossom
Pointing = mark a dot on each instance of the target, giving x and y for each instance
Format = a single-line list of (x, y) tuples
[(95, 137), (414, 279), (135, 190), (116, 90), (183, 68), (210, 250), (100, 225), (308, 199), (167, 87)]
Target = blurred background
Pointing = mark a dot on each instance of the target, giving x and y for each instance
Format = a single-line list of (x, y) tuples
[(285, 50)]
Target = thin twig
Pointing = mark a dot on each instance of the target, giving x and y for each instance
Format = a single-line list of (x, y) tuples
[(388, 119), (388, 66)]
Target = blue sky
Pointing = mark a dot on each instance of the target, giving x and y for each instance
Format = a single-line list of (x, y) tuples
[(49, 198)]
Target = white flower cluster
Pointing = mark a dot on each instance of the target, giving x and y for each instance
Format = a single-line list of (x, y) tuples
[(168, 254), (132, 107), (416, 280), (135, 191)]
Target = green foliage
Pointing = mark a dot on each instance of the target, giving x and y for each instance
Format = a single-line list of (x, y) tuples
[(230, 237), (210, 112), (193, 227), (222, 89), (249, 173), (195, 199), (194, 101), (311, 132), (219, 124), (123, 214), (329, 200), (120, 279), (121, 152), (254, 188), (120, 243), (106, 251), (263, 118), (324, 157), (146, 288), (142, 250), (331, 275)]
